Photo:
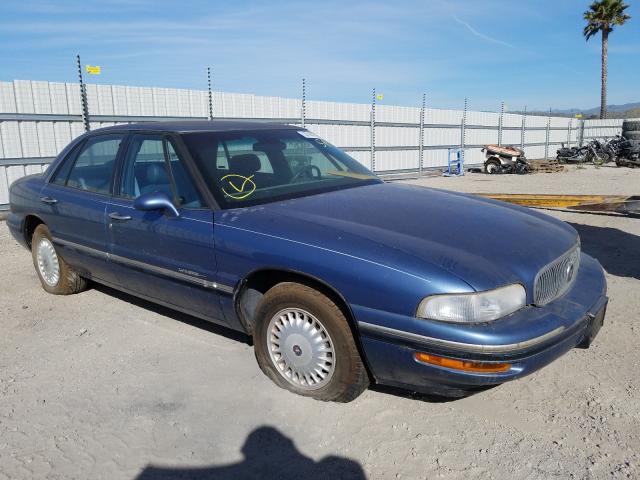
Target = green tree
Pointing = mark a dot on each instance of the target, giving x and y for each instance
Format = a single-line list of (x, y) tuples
[(601, 17)]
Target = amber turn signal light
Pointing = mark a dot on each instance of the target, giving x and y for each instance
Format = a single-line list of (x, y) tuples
[(466, 366)]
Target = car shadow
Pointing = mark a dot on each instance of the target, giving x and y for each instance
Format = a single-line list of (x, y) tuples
[(617, 251), (174, 314), (268, 454)]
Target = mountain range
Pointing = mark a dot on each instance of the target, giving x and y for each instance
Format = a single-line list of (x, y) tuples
[(626, 110), (596, 110)]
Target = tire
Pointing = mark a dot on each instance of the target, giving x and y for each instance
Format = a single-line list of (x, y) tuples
[(292, 309), (492, 167), (635, 136), (631, 125), (522, 168), (55, 275)]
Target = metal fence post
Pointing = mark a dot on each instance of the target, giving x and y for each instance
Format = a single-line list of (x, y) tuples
[(500, 120), (523, 128), (303, 106), (210, 93), (463, 129), (546, 141), (83, 97), (373, 131), (421, 144), (581, 133), (569, 127)]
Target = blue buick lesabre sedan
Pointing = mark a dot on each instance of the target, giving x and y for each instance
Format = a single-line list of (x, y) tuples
[(340, 279)]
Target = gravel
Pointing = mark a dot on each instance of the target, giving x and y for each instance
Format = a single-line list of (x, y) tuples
[(102, 385)]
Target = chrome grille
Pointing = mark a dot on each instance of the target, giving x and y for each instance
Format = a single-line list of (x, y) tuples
[(557, 277)]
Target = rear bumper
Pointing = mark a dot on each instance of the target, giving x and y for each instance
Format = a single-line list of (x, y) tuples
[(528, 340), (16, 227)]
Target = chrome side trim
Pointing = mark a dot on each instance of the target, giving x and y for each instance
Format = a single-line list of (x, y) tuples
[(463, 347), (146, 266), (82, 248)]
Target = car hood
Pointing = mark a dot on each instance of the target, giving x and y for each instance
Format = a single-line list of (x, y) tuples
[(483, 242)]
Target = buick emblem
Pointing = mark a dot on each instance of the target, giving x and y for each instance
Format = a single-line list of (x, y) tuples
[(569, 272)]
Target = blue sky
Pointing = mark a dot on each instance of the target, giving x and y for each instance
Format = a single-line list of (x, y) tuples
[(523, 52)]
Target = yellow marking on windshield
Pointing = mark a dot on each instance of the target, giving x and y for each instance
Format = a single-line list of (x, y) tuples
[(241, 192), (359, 176)]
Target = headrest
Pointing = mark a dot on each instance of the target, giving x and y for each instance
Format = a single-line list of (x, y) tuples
[(156, 174), (246, 164)]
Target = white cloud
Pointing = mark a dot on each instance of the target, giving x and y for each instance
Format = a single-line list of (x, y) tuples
[(482, 35)]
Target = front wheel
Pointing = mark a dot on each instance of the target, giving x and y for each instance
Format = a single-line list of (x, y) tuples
[(492, 167), (55, 275), (304, 344)]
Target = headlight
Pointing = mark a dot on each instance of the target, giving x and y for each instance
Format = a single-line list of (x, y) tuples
[(473, 307)]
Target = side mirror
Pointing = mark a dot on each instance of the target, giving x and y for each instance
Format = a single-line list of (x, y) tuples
[(156, 201)]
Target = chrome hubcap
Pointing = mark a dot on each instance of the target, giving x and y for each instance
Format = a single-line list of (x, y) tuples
[(301, 348), (48, 264)]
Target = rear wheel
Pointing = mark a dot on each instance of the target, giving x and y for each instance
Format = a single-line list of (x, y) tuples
[(304, 344), (55, 275)]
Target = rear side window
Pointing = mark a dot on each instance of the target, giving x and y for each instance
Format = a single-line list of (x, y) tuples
[(93, 167), (61, 175)]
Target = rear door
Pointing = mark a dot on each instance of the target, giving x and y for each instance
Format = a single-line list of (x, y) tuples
[(168, 259), (75, 202)]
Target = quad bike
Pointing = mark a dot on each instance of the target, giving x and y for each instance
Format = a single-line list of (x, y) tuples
[(501, 160)]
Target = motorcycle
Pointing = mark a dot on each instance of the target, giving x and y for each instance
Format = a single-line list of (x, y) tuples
[(593, 152)]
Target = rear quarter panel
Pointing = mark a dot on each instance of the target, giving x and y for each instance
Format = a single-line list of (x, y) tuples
[(24, 198)]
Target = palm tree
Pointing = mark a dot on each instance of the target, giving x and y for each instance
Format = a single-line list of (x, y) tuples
[(601, 17)]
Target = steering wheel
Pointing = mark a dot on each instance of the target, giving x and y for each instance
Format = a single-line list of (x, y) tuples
[(307, 170)]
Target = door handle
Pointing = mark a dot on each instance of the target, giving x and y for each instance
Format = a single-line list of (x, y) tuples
[(48, 200), (117, 216)]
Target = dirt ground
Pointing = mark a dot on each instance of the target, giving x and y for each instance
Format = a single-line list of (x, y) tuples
[(101, 385)]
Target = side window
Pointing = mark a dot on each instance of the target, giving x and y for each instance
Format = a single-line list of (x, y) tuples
[(93, 167), (61, 175), (149, 168)]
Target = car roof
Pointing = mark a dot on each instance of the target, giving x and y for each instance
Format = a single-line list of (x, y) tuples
[(185, 126)]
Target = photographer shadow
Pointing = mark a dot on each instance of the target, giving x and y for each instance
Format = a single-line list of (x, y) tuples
[(268, 454)]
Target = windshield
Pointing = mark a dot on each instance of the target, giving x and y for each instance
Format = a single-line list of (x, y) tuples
[(251, 167)]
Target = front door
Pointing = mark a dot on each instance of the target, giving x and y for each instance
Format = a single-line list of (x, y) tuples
[(165, 258)]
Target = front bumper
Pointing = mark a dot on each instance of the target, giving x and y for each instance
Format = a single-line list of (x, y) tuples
[(528, 339)]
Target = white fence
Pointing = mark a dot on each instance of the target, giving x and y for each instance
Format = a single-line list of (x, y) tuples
[(37, 119)]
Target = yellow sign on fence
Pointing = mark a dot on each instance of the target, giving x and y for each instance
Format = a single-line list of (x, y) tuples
[(95, 70)]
